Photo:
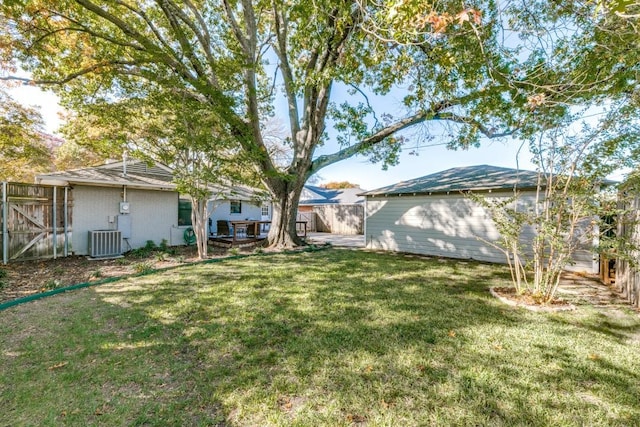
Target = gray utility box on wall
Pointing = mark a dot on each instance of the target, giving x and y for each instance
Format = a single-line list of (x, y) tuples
[(124, 226), (105, 243), (125, 208)]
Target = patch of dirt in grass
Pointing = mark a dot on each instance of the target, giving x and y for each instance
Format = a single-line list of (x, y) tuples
[(291, 404), (574, 290), (26, 278), (529, 301)]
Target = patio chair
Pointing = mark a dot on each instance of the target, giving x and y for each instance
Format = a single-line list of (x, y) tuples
[(224, 228)]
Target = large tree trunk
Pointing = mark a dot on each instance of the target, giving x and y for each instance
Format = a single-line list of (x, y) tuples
[(286, 195)]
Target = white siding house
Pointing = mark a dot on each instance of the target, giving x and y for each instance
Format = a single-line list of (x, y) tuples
[(152, 215), (243, 209), (432, 216), (141, 202), (137, 199)]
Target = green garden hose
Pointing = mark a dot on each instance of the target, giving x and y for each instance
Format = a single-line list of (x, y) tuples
[(189, 236)]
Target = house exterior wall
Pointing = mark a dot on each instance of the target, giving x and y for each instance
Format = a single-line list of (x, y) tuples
[(153, 214), (443, 225), (222, 210)]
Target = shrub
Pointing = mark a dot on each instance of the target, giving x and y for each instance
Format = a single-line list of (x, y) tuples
[(122, 261), (139, 253), (52, 284), (142, 267)]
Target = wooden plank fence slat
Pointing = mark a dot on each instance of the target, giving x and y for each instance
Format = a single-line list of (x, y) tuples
[(340, 219), (36, 221), (627, 280), (310, 218)]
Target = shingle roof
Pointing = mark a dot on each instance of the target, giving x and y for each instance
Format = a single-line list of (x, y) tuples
[(138, 175), (471, 178), (312, 195)]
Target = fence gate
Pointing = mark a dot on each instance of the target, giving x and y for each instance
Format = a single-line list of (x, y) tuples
[(36, 221)]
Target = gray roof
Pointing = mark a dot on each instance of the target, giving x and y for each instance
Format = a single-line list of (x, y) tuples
[(137, 175), (312, 195), (471, 178)]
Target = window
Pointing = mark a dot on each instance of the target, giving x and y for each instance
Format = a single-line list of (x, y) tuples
[(236, 206), (265, 210), (184, 212)]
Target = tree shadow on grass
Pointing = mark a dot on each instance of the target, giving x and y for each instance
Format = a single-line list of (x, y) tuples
[(345, 326), (345, 336), (623, 329)]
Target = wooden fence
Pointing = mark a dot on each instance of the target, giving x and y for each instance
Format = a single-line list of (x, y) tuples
[(35, 221), (627, 276), (310, 218), (340, 219)]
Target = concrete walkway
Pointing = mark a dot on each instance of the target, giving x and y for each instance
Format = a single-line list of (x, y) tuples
[(338, 240)]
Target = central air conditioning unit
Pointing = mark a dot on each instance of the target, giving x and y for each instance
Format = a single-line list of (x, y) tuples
[(105, 243)]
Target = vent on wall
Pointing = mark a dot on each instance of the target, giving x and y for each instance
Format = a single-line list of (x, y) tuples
[(105, 243)]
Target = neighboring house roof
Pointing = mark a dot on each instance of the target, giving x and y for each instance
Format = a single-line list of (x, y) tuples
[(133, 174), (312, 195), (471, 178)]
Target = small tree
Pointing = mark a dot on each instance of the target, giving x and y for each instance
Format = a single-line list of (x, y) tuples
[(167, 128), (510, 223), (570, 205)]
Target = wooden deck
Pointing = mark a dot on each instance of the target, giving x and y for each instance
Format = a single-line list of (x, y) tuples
[(258, 231), (230, 241)]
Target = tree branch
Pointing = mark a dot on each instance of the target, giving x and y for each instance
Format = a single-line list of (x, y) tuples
[(72, 76), (237, 31), (172, 12), (345, 153), (287, 73)]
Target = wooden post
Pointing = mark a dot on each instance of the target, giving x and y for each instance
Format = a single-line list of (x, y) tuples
[(66, 221), (5, 230), (54, 220)]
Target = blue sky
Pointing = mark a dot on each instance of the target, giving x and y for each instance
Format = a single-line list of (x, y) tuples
[(358, 170)]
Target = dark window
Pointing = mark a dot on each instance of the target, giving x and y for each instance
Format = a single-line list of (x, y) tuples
[(184, 212), (236, 206)]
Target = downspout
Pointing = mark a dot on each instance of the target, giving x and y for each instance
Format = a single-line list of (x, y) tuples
[(5, 229), (55, 222)]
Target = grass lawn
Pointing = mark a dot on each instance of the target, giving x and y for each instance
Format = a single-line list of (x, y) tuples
[(327, 338)]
